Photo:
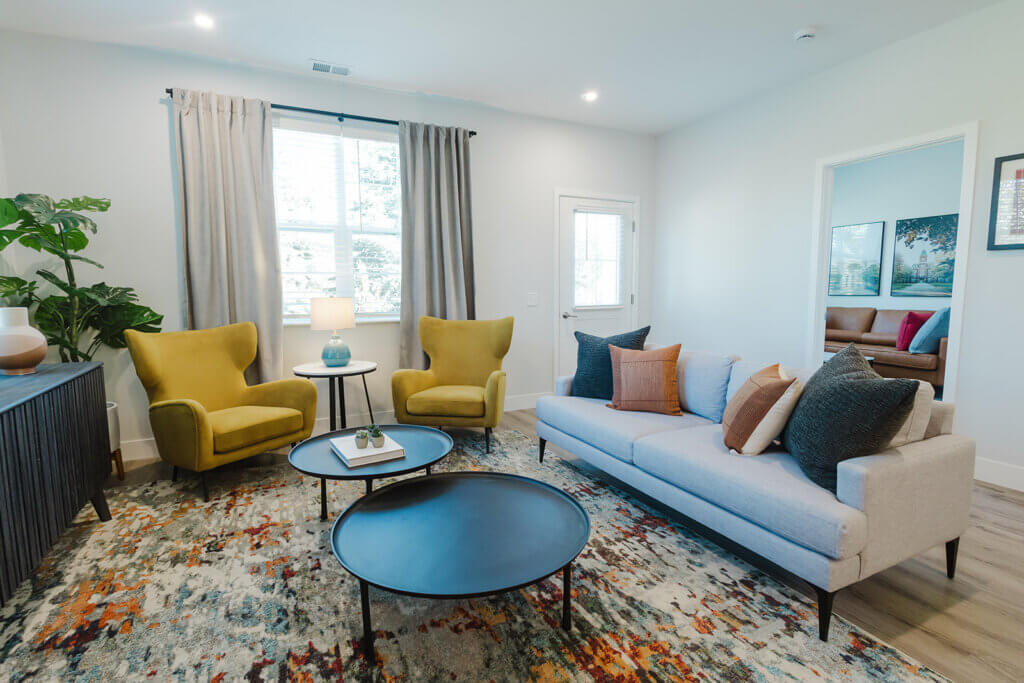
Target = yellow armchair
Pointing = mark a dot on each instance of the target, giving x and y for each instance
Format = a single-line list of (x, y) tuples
[(202, 412), (465, 385)]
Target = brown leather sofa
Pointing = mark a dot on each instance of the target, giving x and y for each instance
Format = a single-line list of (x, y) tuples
[(874, 333)]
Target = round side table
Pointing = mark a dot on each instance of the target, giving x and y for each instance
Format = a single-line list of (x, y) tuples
[(338, 374)]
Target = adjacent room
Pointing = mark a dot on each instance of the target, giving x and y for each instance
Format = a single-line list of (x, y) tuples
[(535, 342)]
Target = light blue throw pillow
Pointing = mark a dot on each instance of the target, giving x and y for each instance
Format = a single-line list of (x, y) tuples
[(703, 380), (935, 328)]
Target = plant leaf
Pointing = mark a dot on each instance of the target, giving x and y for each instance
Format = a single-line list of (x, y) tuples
[(55, 280), (84, 203), (8, 212), (52, 317), (17, 291), (38, 206), (110, 322)]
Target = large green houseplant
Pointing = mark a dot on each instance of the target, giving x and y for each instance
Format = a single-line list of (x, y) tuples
[(77, 320)]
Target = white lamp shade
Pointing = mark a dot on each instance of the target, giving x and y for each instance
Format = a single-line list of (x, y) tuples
[(332, 313)]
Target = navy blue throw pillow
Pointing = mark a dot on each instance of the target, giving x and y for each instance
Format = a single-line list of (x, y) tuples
[(594, 361)]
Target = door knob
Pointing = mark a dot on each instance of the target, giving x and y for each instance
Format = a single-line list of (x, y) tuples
[(568, 315)]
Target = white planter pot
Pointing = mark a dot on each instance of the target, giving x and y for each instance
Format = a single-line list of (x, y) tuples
[(22, 347), (113, 426)]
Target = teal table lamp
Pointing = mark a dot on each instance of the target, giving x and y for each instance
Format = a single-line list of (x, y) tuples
[(333, 313)]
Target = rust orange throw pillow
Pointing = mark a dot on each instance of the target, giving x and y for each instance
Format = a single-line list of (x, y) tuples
[(645, 380), (758, 412)]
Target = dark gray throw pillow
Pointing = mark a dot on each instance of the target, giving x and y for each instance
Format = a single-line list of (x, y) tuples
[(594, 361), (847, 410)]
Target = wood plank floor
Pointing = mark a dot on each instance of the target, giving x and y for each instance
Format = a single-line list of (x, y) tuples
[(970, 629)]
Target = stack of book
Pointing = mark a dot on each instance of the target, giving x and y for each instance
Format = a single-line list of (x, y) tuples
[(345, 448)]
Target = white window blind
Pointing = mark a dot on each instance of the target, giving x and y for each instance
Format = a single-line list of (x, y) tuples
[(338, 197)]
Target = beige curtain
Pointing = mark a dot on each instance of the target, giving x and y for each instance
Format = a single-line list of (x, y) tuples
[(437, 231), (232, 271)]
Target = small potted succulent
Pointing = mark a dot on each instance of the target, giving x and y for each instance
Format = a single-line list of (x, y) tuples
[(362, 438), (376, 436)]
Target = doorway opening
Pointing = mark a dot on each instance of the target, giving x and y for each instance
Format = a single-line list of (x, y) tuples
[(890, 241)]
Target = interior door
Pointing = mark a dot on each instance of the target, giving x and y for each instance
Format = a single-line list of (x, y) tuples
[(596, 283)]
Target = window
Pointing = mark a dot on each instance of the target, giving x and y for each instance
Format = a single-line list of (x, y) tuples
[(338, 197), (597, 254)]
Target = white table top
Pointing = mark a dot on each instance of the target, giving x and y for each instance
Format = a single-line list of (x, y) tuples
[(318, 369)]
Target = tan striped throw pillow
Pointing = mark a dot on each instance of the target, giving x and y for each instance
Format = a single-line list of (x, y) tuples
[(645, 380), (758, 412)]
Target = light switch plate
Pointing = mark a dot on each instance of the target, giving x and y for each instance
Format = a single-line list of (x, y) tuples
[(531, 298)]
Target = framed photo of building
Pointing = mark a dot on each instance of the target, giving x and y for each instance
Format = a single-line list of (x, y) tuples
[(1006, 220), (924, 256), (855, 261)]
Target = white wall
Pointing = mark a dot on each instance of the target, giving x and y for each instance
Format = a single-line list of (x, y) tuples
[(734, 203), (910, 184), (83, 118)]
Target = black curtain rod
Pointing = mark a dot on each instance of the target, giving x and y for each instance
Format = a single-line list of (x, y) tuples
[(341, 116)]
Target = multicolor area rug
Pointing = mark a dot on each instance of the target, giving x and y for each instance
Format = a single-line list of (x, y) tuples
[(245, 587)]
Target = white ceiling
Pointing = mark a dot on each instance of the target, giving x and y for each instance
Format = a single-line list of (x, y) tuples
[(656, 63)]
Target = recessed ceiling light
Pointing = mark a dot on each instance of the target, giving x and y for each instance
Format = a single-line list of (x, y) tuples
[(589, 96), (203, 21)]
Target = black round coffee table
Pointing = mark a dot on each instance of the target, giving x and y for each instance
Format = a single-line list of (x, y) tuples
[(460, 535), (424, 447)]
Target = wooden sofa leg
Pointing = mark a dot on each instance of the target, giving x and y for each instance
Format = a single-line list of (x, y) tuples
[(952, 547), (824, 612), (487, 438), (543, 443)]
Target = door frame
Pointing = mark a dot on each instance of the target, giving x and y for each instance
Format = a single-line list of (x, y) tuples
[(820, 238), (572, 193)]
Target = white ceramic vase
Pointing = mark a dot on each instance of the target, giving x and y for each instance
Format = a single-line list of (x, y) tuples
[(22, 347), (113, 426)]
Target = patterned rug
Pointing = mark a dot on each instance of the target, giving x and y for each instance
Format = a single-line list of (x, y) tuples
[(245, 588)]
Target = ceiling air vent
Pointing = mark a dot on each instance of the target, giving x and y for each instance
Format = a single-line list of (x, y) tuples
[(322, 67)]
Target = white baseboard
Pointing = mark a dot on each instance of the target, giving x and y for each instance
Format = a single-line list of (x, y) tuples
[(999, 473), (145, 449)]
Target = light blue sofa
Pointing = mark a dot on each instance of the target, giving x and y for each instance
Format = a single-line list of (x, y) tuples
[(888, 507)]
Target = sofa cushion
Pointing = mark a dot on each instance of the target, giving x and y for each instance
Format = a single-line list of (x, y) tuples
[(879, 339), (242, 426), (916, 424), (847, 411), (854, 319), (842, 335), (888, 355), (612, 431), (451, 400), (758, 412), (888, 321), (769, 490), (934, 329), (703, 381), (645, 380), (908, 328), (593, 377)]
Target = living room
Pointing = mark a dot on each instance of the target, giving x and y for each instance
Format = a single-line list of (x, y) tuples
[(634, 122)]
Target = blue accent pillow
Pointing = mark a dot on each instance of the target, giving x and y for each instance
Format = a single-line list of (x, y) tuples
[(935, 328), (594, 361), (704, 382)]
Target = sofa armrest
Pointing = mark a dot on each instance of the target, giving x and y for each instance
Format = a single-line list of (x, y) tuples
[(914, 497), (405, 383), (295, 393), (563, 385), (494, 398), (940, 367), (182, 432)]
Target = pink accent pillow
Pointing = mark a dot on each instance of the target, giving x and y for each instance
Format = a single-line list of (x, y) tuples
[(912, 322)]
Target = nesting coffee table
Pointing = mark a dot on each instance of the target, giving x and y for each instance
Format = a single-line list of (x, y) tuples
[(424, 447), (460, 535)]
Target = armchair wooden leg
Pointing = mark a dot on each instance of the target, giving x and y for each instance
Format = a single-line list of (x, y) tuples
[(118, 463), (952, 547), (543, 443), (824, 612), (206, 488), (487, 438), (174, 473)]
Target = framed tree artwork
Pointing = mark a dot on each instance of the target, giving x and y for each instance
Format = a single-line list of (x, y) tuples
[(924, 256), (855, 261), (1006, 219)]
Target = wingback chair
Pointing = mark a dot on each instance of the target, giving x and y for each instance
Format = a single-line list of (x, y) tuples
[(465, 385), (202, 412)]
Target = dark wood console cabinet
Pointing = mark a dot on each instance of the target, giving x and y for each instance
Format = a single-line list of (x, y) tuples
[(54, 457)]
